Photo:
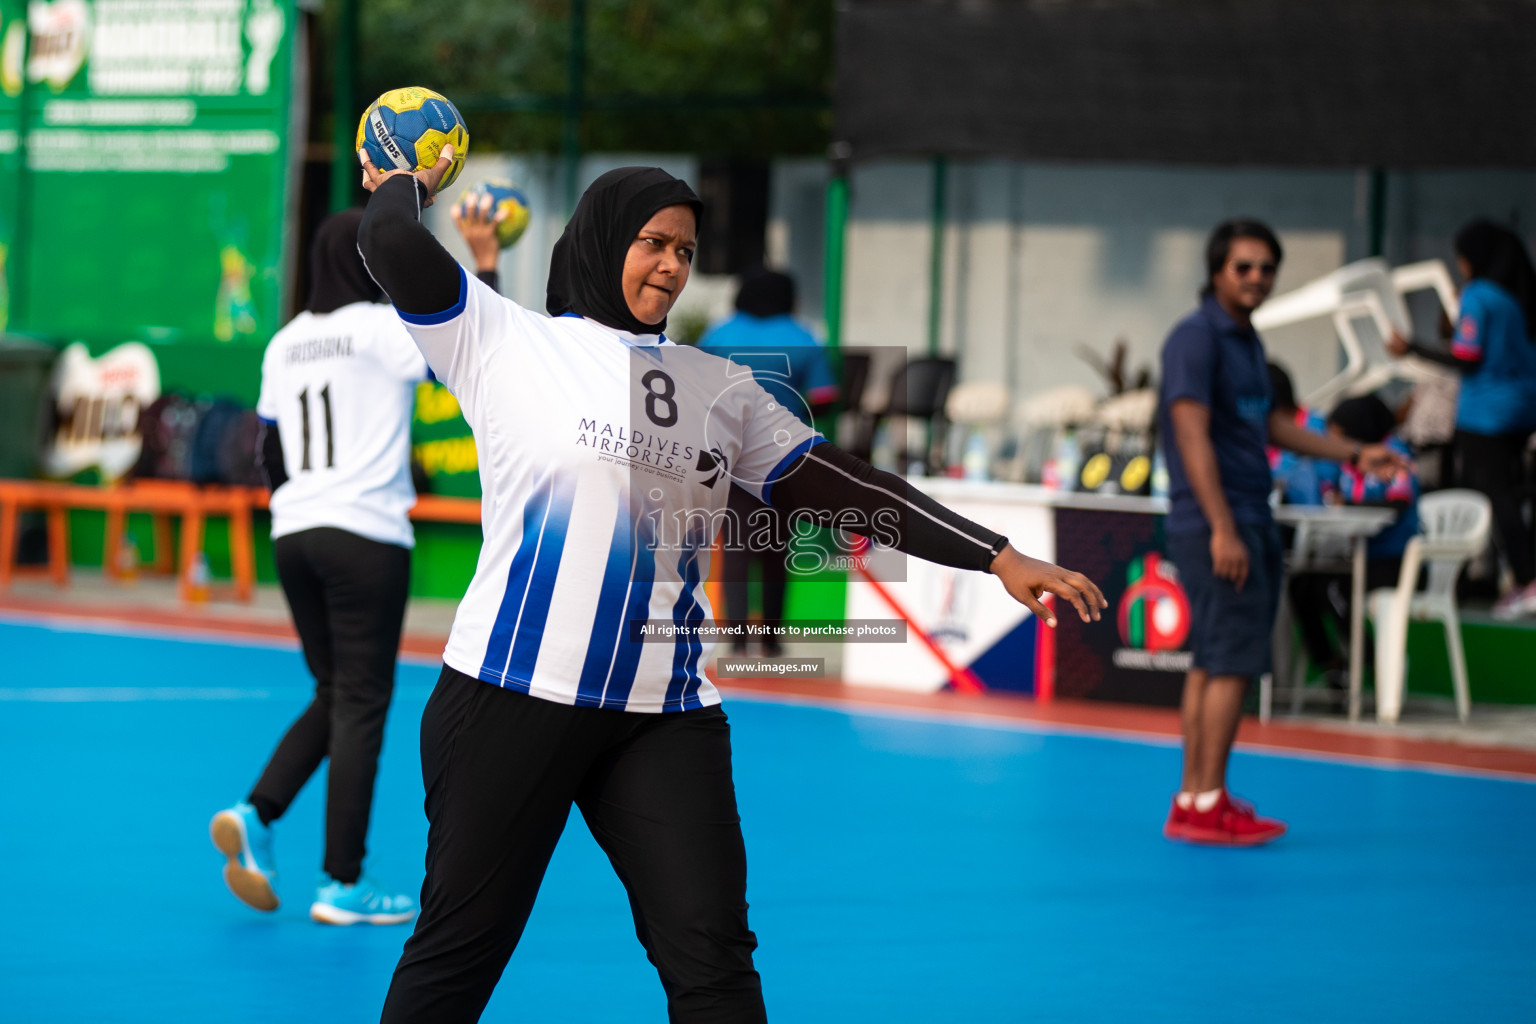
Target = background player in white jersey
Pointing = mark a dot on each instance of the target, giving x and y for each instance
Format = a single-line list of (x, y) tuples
[(337, 388), (606, 454)]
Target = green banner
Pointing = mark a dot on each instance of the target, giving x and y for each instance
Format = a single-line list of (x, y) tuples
[(149, 141), (13, 41)]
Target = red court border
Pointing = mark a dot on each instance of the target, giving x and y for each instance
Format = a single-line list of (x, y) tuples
[(1090, 718)]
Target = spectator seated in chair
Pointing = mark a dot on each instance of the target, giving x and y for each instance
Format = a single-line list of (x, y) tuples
[(1321, 599)]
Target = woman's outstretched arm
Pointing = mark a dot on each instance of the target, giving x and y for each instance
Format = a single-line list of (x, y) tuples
[(829, 483)]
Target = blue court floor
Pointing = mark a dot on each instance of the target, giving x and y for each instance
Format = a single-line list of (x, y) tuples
[(902, 870)]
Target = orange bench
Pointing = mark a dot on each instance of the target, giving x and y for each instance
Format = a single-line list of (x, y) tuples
[(429, 508), (433, 508), (437, 508), (163, 499)]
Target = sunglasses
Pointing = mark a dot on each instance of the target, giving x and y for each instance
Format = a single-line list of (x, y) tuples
[(1242, 268)]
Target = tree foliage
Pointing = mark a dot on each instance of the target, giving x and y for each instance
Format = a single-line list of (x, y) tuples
[(717, 77)]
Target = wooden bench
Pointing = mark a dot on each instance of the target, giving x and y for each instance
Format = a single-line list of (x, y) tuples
[(438, 508), (163, 500)]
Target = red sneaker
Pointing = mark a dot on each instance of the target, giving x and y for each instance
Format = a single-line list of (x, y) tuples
[(1178, 817), (1230, 823)]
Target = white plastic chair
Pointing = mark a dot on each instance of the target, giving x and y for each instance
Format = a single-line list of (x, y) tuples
[(1364, 300), (1356, 292), (1454, 528), (975, 409), (977, 403)]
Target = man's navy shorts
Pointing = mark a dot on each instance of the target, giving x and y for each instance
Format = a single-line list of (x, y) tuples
[(1230, 629)]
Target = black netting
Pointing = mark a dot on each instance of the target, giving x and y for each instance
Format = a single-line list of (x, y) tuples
[(1400, 83)]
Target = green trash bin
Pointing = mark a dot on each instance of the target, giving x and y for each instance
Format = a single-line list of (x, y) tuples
[(26, 365)]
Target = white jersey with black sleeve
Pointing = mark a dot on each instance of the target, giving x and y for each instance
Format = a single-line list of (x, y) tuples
[(605, 463), (340, 388)]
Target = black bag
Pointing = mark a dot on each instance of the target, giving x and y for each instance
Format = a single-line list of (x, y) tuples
[(167, 427), (216, 420), (238, 451)]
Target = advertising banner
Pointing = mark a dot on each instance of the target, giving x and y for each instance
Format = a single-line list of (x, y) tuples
[(99, 403), (13, 40), (968, 614), (154, 136), (1138, 652), (442, 443)]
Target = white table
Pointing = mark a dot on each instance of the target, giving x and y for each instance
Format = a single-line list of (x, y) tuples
[(1353, 525)]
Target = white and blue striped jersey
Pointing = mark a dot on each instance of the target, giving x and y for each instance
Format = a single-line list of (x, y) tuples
[(605, 462)]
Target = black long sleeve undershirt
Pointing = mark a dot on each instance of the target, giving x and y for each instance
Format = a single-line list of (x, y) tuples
[(829, 483), (412, 267), (269, 456), (1435, 354)]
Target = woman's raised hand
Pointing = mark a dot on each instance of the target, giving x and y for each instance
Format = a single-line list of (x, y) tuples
[(429, 176), (477, 223)]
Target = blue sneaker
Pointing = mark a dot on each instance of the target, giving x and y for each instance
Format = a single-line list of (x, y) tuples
[(366, 902), (251, 872)]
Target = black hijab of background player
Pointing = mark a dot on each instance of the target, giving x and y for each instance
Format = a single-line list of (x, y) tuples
[(337, 275), (1497, 254), (586, 269), (765, 293)]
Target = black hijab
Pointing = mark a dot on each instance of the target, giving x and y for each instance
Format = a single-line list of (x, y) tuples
[(766, 293), (586, 268), (337, 275), (1497, 254)]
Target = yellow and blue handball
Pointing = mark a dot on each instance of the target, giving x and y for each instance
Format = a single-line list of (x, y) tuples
[(406, 129), (494, 197)]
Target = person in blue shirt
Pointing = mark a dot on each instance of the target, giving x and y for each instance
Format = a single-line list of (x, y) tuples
[(1215, 419), (786, 360), (1321, 600), (1495, 353)]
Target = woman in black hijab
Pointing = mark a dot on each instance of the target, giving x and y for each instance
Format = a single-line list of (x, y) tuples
[(1494, 351), (527, 720), (339, 381), (589, 258)]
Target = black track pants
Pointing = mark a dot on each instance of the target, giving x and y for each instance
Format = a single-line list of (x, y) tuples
[(1322, 597), (502, 770), (347, 594), (1495, 465)]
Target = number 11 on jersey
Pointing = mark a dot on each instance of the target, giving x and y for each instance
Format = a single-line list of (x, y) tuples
[(330, 444)]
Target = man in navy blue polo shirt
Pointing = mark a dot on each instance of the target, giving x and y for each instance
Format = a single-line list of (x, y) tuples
[(1215, 418)]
